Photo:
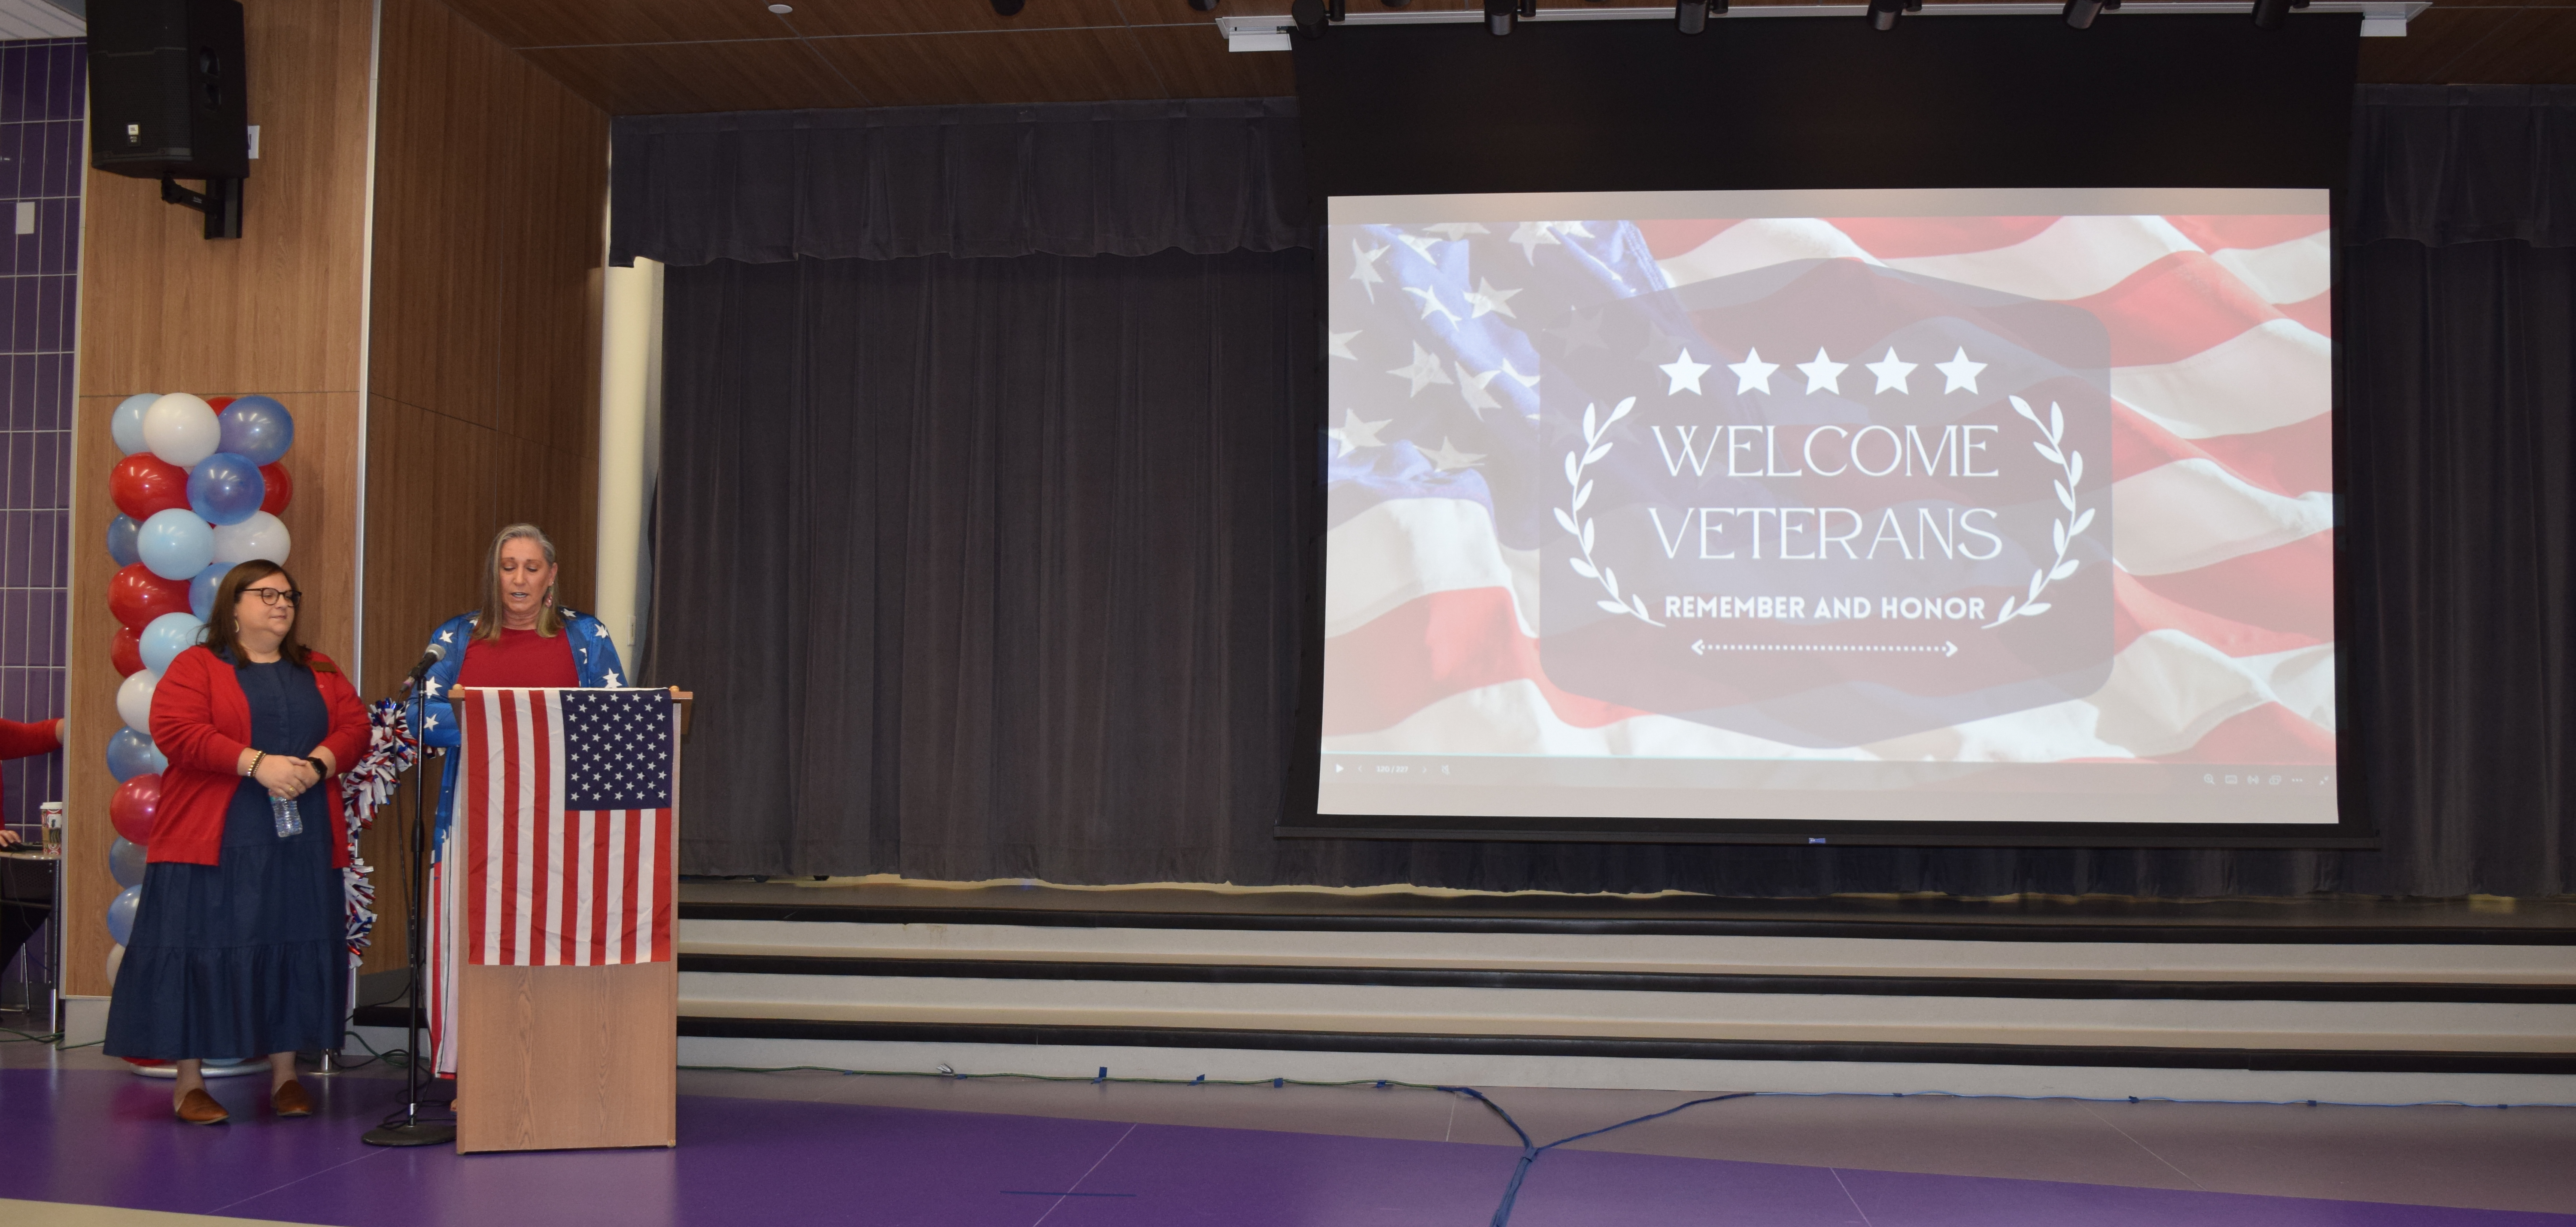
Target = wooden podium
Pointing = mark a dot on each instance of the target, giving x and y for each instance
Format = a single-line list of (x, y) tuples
[(573, 1057)]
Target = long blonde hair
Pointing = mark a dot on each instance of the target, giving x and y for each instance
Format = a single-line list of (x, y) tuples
[(488, 626)]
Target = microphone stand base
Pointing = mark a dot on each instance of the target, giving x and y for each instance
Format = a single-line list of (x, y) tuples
[(415, 1133)]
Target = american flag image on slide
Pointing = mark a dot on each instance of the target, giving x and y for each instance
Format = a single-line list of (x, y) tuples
[(565, 813), (1444, 473)]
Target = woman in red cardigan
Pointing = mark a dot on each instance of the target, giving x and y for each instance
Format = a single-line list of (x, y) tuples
[(237, 948), (25, 740)]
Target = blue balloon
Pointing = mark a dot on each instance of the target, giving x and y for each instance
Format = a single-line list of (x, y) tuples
[(225, 488), (175, 544), (166, 637), (201, 590), (125, 861), (120, 541), (130, 754), (120, 913), (126, 425), (258, 429)]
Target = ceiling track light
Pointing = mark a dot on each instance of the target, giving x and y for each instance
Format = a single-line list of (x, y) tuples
[(1008, 8), (2269, 14), (1691, 16), (1309, 16), (1204, 6), (1883, 13), (1499, 15), (2080, 13)]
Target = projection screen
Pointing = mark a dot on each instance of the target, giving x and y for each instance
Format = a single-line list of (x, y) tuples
[(1828, 508)]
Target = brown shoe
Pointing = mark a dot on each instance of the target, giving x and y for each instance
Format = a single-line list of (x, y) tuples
[(290, 1100), (200, 1108)]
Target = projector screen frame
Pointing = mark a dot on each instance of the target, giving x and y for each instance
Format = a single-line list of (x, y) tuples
[(1300, 816)]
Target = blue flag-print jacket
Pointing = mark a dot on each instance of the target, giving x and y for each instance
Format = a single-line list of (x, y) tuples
[(594, 658)]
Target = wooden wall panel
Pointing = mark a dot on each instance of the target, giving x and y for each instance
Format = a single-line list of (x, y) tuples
[(164, 309), (491, 191)]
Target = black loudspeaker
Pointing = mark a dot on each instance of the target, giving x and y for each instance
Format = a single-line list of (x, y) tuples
[(167, 89)]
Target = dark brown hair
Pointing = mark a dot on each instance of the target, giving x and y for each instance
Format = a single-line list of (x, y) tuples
[(223, 629)]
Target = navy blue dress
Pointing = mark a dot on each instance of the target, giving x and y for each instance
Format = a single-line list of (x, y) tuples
[(244, 957)]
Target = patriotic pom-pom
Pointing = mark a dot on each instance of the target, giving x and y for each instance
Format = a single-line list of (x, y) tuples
[(365, 787)]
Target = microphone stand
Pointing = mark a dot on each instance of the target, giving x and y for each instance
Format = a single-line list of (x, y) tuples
[(406, 1126)]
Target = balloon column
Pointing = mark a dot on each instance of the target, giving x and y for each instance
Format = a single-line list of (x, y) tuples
[(198, 490)]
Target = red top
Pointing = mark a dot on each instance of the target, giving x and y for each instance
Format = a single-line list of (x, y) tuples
[(201, 723), (519, 658), (36, 737)]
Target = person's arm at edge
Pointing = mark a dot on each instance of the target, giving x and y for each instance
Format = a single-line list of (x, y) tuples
[(21, 739)]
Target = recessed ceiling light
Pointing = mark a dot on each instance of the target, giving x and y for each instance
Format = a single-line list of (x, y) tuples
[(782, 9)]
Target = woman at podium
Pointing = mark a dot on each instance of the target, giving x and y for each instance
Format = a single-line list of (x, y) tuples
[(238, 949), (520, 637)]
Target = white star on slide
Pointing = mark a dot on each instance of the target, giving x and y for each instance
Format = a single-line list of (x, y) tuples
[(1488, 300), (1958, 372), (1752, 373), (1338, 345), (1891, 373), (1424, 370), (1449, 459), (1823, 373), (1354, 434), (1685, 374), (1364, 267)]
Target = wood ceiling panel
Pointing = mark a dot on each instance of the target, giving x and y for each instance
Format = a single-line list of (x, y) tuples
[(2445, 45), (670, 78), (1084, 65), (557, 23), (1193, 63), (2526, 46), (824, 18)]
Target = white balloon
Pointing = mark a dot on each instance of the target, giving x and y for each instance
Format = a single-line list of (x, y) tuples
[(263, 535), (126, 426), (182, 429), (115, 957), (134, 700)]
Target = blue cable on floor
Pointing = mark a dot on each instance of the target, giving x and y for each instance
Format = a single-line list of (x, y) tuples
[(1530, 1151)]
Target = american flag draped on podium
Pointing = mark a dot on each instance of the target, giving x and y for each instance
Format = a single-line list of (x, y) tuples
[(560, 850)]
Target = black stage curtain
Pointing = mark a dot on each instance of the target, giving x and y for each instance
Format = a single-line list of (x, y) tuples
[(997, 567), (1079, 179)]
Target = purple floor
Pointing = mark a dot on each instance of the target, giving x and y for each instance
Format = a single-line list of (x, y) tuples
[(106, 1138)]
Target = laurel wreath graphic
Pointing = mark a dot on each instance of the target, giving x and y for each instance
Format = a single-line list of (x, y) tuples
[(2064, 531), (1593, 449)]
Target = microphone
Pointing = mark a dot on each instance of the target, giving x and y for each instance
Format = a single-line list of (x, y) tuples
[(436, 653)]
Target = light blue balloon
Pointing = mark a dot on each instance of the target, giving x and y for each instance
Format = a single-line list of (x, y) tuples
[(120, 913), (201, 590), (130, 754), (125, 861), (258, 428), (166, 637), (120, 541), (225, 488), (126, 425), (175, 544)]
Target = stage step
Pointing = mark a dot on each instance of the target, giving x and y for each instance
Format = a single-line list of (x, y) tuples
[(2056, 987)]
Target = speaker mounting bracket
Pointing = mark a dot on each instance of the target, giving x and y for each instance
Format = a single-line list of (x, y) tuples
[(221, 202)]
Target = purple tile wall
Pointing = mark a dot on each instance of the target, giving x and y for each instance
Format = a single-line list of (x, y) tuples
[(43, 92)]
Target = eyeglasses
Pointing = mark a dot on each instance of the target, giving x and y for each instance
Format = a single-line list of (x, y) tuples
[(271, 596)]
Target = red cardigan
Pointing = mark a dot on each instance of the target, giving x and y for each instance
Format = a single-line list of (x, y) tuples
[(34, 737), (201, 723)]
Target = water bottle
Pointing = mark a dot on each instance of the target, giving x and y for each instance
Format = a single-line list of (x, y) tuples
[(290, 817)]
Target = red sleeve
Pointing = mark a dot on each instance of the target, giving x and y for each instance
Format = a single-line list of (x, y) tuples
[(183, 718), (21, 740), (348, 736)]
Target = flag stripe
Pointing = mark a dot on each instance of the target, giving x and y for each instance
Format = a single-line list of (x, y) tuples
[(551, 885)]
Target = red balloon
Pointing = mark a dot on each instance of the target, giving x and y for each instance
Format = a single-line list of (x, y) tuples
[(144, 483), (217, 403), (135, 806), (127, 655), (136, 596), (280, 487)]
